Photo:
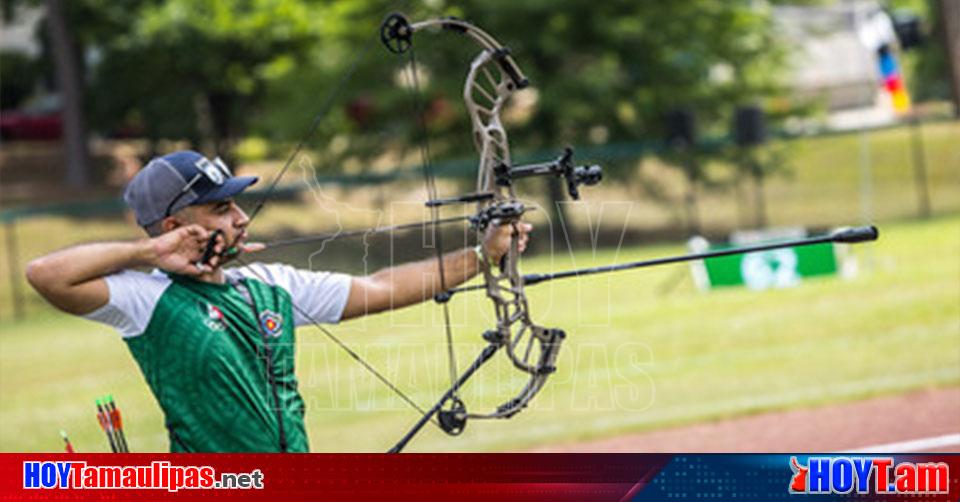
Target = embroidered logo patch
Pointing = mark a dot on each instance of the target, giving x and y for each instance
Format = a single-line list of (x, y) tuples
[(214, 318), (271, 322)]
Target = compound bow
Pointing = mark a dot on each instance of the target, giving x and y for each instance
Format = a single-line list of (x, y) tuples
[(492, 79)]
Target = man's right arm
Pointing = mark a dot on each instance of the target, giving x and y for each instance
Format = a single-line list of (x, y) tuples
[(72, 279)]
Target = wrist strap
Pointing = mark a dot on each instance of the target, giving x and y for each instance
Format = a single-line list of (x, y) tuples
[(481, 258)]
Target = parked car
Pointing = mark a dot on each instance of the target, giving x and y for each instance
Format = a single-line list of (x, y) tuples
[(41, 119)]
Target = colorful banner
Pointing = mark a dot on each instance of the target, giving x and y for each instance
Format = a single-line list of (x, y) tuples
[(893, 80), (491, 477)]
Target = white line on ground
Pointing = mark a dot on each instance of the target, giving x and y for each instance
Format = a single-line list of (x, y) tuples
[(915, 445)]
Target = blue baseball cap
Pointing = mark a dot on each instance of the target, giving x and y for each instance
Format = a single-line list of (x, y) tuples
[(174, 181)]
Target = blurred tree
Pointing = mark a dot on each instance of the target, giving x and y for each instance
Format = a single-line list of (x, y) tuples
[(601, 71), (69, 79), (60, 46), (619, 67), (939, 65), (180, 68), (929, 63), (20, 75)]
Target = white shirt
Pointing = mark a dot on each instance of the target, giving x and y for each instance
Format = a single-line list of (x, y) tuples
[(318, 296)]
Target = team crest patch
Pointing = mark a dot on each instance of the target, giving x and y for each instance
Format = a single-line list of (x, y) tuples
[(271, 322), (214, 318)]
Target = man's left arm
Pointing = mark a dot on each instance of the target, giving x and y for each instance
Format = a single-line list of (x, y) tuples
[(411, 283)]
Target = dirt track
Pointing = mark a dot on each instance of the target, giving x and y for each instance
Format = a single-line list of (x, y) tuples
[(848, 426)]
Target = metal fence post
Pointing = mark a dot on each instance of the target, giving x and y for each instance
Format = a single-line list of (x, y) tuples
[(920, 168), (13, 266)]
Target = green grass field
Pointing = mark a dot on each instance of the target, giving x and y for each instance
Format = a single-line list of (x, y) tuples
[(634, 359)]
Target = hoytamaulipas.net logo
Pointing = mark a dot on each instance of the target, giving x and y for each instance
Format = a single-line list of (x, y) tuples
[(159, 475), (877, 475)]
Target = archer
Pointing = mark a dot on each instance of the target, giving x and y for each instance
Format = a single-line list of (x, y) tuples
[(215, 344)]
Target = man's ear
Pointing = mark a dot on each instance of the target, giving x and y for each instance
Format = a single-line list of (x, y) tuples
[(170, 223)]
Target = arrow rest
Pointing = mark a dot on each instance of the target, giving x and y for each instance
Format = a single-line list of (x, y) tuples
[(501, 211)]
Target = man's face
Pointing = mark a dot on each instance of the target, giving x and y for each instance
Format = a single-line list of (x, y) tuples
[(223, 215)]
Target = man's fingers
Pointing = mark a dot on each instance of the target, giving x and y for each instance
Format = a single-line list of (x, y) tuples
[(196, 231), (252, 247), (194, 269)]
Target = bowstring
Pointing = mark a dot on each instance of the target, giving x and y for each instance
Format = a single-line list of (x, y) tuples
[(429, 178), (346, 348), (325, 108), (317, 120)]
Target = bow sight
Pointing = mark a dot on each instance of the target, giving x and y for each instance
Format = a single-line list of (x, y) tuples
[(562, 168)]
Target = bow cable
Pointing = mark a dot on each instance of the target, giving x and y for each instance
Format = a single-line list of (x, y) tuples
[(325, 108), (346, 348), (429, 178)]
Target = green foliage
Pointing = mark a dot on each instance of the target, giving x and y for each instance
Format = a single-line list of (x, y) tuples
[(19, 76), (180, 68), (931, 73), (602, 72)]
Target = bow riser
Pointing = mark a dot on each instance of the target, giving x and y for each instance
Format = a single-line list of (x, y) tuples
[(486, 91)]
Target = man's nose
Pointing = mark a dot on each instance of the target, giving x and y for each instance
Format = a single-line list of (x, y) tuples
[(242, 218)]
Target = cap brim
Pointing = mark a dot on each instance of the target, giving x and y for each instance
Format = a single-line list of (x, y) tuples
[(229, 188)]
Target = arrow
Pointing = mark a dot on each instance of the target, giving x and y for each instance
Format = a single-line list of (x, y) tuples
[(105, 424), (68, 448), (117, 423)]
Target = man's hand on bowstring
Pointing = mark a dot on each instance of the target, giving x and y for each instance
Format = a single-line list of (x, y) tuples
[(496, 240), (181, 249)]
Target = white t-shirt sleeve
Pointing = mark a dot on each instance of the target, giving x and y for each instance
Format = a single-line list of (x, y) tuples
[(133, 298), (317, 296)]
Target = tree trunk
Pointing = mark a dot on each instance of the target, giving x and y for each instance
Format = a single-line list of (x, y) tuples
[(70, 84), (204, 140), (760, 205), (950, 19), (743, 204), (690, 199)]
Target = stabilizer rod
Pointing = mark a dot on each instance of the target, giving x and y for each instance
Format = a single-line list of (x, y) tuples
[(846, 236)]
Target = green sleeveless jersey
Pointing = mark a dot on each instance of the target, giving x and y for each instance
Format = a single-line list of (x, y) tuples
[(219, 358)]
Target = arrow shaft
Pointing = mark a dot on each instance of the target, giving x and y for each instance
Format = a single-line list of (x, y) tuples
[(362, 232)]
